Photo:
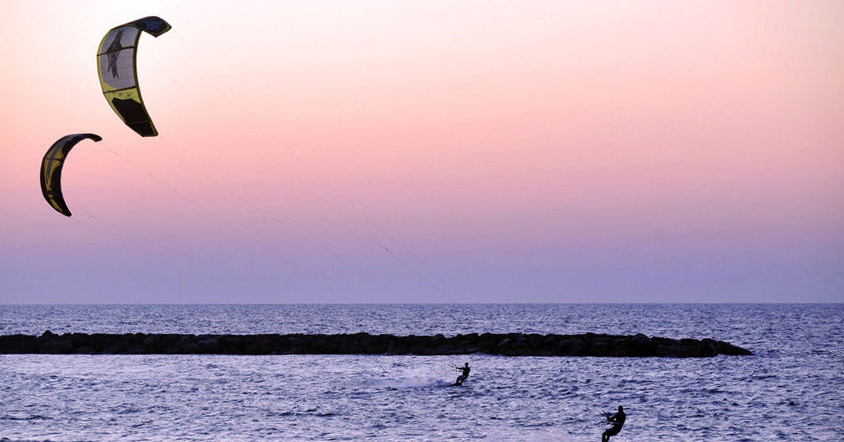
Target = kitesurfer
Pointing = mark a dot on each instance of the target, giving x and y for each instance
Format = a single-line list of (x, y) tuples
[(617, 421), (465, 374)]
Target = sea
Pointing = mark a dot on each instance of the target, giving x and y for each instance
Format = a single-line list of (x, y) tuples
[(789, 390)]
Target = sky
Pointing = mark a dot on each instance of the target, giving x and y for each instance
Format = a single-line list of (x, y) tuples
[(430, 151)]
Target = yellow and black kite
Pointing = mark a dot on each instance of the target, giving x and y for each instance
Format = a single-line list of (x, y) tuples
[(116, 64), (51, 169)]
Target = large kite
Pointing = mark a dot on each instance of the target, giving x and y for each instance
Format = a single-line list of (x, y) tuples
[(51, 169), (116, 64)]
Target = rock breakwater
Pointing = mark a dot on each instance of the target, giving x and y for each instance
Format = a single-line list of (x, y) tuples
[(513, 344)]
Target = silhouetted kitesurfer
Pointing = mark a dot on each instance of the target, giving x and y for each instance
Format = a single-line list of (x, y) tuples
[(465, 369), (617, 421)]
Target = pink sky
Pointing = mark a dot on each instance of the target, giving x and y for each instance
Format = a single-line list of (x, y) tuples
[(431, 151)]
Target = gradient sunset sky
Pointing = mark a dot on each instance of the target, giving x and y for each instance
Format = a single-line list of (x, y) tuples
[(430, 151)]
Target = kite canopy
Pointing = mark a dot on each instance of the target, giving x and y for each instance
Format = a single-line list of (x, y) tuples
[(51, 169), (116, 64)]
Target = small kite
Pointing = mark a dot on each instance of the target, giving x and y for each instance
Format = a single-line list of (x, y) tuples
[(51, 169)]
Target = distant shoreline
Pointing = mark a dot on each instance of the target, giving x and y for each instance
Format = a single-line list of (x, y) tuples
[(510, 344)]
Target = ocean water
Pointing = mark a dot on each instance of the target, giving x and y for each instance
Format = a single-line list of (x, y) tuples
[(790, 390)]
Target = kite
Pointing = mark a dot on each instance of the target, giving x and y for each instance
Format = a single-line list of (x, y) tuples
[(51, 169), (118, 71)]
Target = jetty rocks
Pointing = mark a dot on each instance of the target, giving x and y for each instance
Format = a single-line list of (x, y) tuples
[(512, 344)]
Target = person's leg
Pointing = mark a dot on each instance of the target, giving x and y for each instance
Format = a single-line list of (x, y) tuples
[(612, 431)]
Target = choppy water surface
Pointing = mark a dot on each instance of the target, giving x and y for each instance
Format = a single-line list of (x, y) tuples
[(789, 391)]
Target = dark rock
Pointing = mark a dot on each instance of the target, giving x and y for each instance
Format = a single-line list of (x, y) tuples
[(513, 344), (85, 350), (54, 344)]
